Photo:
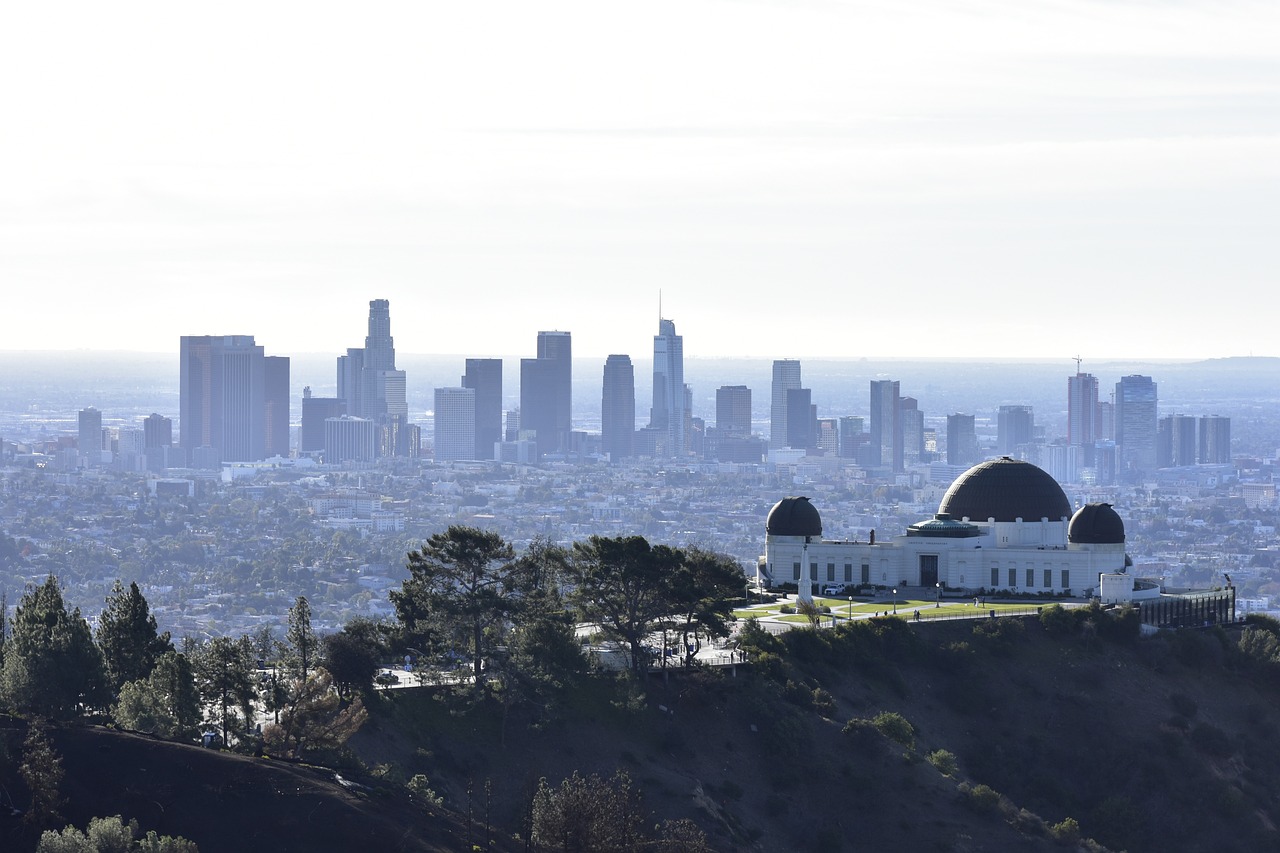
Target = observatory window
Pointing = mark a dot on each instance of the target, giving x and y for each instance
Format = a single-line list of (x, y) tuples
[(1013, 578), (1048, 577), (866, 573), (831, 572), (1066, 579), (995, 576), (1031, 578), (795, 570), (848, 572)]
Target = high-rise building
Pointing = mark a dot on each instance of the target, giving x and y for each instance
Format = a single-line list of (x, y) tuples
[(546, 392), (484, 376), (828, 440), (1175, 441), (373, 388), (89, 436), (315, 411), (275, 379), (1215, 440), (962, 440), (157, 431), (852, 436), (222, 398), (349, 439), (455, 422), (912, 420), (786, 376), (801, 423), (1136, 423), (1015, 428), (1082, 410), (669, 411), (618, 407), (733, 410), (886, 425)]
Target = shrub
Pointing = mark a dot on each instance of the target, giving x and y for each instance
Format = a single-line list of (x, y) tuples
[(980, 798), (823, 702), (943, 761), (1066, 831), (895, 727)]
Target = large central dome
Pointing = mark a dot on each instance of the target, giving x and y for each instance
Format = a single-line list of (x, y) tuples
[(1005, 489)]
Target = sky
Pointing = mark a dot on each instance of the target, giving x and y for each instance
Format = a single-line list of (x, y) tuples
[(1020, 179)]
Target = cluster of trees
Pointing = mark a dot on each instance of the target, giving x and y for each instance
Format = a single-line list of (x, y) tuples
[(471, 598), (54, 666)]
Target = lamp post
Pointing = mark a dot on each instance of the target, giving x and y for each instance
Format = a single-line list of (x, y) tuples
[(895, 601), (851, 608), (938, 601)]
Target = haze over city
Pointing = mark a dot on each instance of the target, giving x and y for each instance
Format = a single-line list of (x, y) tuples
[(797, 179)]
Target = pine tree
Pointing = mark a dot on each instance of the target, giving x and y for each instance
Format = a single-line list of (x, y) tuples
[(301, 639), (42, 772), (128, 637), (52, 667)]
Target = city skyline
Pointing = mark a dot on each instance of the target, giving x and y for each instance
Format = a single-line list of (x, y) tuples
[(498, 171)]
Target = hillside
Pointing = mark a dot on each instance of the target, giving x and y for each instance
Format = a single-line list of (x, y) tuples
[(1151, 745)]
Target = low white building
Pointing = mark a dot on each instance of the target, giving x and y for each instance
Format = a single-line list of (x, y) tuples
[(1004, 525)]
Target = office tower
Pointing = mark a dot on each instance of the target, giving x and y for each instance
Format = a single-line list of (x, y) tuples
[(800, 419), (1104, 462), (546, 395), (484, 376), (1015, 428), (1215, 440), (157, 431), (222, 398), (886, 425), (315, 411), (669, 411), (733, 410), (455, 422), (828, 438), (373, 388), (1105, 427), (349, 439), (512, 431), (1082, 410), (89, 436), (852, 436), (1136, 423), (962, 440), (912, 420), (618, 407), (786, 376), (1175, 441), (275, 379)]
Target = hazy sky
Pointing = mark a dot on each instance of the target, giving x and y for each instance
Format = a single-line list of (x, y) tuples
[(891, 178)]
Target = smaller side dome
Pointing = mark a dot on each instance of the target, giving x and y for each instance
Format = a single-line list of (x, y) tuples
[(1096, 524), (794, 516)]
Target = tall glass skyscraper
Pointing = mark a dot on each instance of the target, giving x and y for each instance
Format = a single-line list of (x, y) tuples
[(223, 396), (484, 376), (786, 377), (546, 392), (618, 407), (668, 411), (1136, 423)]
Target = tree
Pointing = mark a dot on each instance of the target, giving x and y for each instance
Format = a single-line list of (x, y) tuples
[(41, 770), (622, 583), (300, 639), (589, 815), (165, 703), (352, 655), (52, 667), (315, 720), (702, 590), (223, 669), (460, 588), (128, 637)]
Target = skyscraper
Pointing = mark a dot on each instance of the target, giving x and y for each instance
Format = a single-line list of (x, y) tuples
[(484, 376), (1175, 441), (89, 436), (222, 397), (962, 440), (546, 392), (669, 412), (1082, 410), (157, 431), (801, 423), (618, 407), (455, 423), (315, 411), (275, 390), (1215, 440), (1136, 423), (372, 386), (786, 376), (886, 424), (912, 420), (733, 410), (852, 436), (1015, 428)]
